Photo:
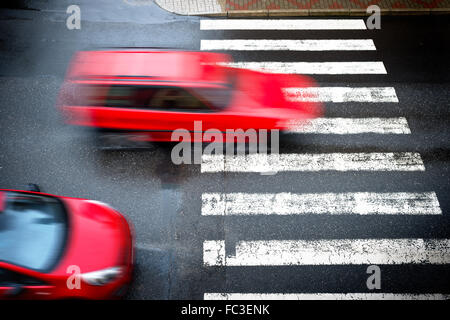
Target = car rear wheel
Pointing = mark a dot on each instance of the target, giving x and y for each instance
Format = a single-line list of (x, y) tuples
[(116, 140)]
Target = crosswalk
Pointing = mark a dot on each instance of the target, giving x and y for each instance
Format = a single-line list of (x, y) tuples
[(285, 24), (324, 296), (351, 67), (359, 203), (342, 94), (290, 45), (405, 161), (351, 126), (319, 252), (328, 252)]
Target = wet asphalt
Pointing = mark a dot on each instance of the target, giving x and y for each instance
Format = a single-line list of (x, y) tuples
[(163, 200)]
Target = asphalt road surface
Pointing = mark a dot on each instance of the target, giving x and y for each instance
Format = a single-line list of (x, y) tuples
[(372, 187)]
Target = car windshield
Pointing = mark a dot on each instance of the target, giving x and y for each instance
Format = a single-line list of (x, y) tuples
[(33, 230)]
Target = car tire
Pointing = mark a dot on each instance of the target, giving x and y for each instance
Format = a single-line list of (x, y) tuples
[(116, 140)]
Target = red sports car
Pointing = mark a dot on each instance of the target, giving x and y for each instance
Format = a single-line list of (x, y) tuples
[(55, 247), (150, 93)]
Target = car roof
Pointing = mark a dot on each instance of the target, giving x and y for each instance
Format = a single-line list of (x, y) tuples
[(147, 64)]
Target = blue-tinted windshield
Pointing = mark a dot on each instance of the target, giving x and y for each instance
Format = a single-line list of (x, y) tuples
[(33, 230)]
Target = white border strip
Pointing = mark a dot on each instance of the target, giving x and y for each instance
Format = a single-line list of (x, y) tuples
[(328, 252), (289, 45), (286, 203), (351, 126), (325, 296), (401, 161), (342, 94), (360, 67), (284, 24)]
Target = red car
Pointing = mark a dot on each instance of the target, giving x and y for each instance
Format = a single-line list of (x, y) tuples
[(55, 247), (150, 93)]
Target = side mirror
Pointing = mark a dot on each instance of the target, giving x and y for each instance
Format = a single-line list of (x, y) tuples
[(33, 187), (16, 289)]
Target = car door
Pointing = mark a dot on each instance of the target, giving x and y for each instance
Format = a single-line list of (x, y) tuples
[(161, 109), (184, 109), (157, 110), (198, 109)]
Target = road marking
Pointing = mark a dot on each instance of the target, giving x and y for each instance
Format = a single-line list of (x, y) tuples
[(285, 24), (342, 94), (291, 45), (351, 126), (147, 246), (286, 203), (325, 296), (328, 252), (363, 67), (401, 161)]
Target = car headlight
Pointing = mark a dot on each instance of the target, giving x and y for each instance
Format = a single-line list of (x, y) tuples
[(100, 203), (102, 277)]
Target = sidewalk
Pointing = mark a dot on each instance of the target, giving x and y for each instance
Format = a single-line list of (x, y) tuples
[(267, 8)]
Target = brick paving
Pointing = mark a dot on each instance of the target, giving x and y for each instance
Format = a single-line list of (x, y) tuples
[(295, 7)]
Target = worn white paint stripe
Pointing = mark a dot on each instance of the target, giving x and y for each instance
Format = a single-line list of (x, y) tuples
[(402, 161), (342, 94), (324, 296), (328, 252), (285, 24), (358, 203), (290, 45), (351, 126), (363, 67)]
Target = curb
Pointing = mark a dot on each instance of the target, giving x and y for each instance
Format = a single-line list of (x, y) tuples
[(325, 12), (310, 12), (439, 11)]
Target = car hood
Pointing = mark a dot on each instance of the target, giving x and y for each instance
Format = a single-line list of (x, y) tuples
[(268, 90), (95, 236)]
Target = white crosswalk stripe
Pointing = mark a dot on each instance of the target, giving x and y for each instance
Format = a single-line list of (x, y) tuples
[(342, 94), (285, 24), (353, 67), (328, 252), (290, 45), (359, 203), (402, 161), (351, 126), (325, 296)]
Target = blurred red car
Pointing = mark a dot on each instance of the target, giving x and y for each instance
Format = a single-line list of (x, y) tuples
[(44, 239), (151, 93)]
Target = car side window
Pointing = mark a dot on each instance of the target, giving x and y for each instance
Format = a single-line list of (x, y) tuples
[(176, 99), (123, 97), (166, 98)]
